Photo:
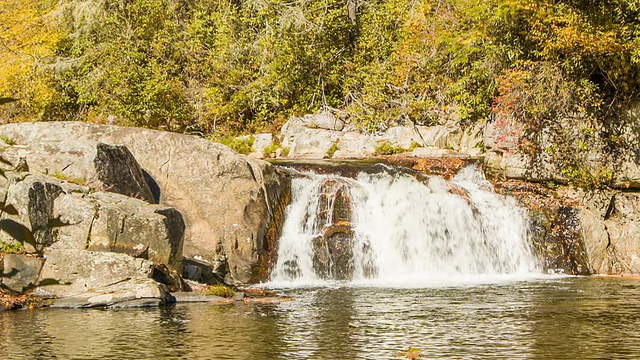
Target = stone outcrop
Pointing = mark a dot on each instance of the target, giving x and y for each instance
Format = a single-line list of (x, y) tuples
[(554, 227), (333, 248), (226, 200), (100, 166), (81, 278), (610, 226), (68, 216), (21, 272)]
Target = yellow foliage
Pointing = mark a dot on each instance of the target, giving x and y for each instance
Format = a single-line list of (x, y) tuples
[(28, 37)]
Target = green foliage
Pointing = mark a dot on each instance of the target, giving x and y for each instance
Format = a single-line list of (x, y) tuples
[(285, 151), (414, 144), (7, 140), (547, 73), (242, 145), (332, 150), (386, 148), (71, 179), (221, 290), (15, 248), (270, 150)]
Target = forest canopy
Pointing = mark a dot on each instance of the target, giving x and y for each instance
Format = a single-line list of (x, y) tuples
[(240, 66)]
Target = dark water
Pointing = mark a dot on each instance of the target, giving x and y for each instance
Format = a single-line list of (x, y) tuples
[(568, 318)]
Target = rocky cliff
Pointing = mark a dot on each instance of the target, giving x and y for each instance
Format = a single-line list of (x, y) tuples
[(85, 192)]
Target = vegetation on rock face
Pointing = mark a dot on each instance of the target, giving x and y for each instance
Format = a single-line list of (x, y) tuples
[(221, 290), (556, 77)]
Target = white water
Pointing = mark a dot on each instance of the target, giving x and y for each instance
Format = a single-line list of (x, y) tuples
[(406, 232)]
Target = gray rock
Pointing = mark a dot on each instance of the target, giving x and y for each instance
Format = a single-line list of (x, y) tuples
[(21, 272), (189, 297), (323, 120), (261, 141), (431, 152), (402, 136), (304, 142), (133, 293), (225, 198), (32, 196), (354, 145), (83, 273), (97, 165), (68, 216), (130, 226)]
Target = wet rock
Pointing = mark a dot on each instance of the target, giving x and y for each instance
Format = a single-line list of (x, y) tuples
[(333, 249), (554, 226), (189, 297), (20, 272)]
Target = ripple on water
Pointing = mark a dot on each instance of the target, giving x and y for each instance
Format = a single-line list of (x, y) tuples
[(561, 318)]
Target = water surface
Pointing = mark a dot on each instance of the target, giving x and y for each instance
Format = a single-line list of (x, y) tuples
[(560, 318)]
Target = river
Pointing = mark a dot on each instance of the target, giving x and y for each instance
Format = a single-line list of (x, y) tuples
[(543, 318)]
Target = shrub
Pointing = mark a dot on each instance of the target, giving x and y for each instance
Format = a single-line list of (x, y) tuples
[(332, 150), (221, 290), (386, 148), (269, 150), (242, 145)]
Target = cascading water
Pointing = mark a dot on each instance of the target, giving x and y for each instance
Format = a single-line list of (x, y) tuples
[(393, 228)]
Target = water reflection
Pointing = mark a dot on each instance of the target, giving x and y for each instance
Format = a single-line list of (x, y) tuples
[(547, 319)]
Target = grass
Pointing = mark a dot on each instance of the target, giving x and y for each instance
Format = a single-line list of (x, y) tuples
[(7, 140), (15, 248), (221, 290), (269, 150), (242, 145), (332, 150), (72, 179), (386, 148)]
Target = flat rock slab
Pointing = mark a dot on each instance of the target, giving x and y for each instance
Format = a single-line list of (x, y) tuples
[(188, 297), (131, 293)]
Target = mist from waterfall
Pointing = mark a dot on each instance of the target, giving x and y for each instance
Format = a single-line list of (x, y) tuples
[(402, 231)]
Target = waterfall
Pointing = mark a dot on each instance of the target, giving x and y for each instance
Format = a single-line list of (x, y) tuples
[(387, 227)]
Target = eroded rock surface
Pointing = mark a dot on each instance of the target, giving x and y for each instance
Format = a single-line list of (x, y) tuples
[(99, 166), (226, 200)]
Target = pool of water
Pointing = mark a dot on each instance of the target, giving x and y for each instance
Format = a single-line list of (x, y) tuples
[(551, 318)]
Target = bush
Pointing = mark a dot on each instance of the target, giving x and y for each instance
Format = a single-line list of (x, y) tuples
[(221, 290), (332, 150), (386, 148), (270, 150), (242, 145)]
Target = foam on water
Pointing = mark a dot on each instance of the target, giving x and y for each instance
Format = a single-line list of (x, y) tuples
[(408, 233)]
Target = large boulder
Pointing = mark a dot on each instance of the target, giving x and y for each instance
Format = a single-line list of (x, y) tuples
[(308, 142), (226, 199), (68, 216), (554, 227), (99, 166), (20, 272), (610, 224), (112, 223), (81, 278)]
